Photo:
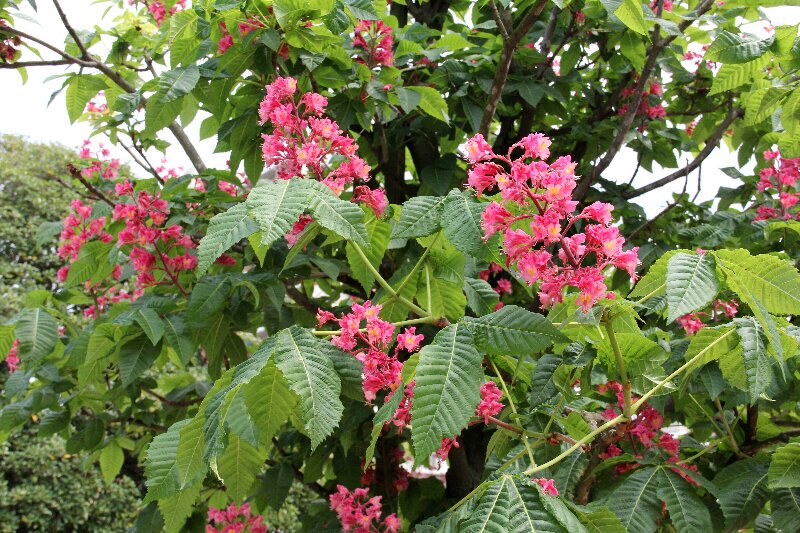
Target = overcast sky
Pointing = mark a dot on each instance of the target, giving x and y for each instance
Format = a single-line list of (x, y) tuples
[(24, 109)]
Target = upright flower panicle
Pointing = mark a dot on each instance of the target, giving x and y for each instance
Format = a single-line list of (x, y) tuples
[(361, 514), (535, 210)]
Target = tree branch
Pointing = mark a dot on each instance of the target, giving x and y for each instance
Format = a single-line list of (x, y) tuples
[(75, 37), (711, 143), (25, 64), (504, 64), (97, 194)]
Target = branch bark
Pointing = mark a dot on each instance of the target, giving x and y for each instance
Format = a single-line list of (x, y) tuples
[(504, 64), (711, 143)]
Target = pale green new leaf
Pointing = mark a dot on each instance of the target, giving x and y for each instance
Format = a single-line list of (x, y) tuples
[(775, 282), (631, 14), (343, 218), (177, 508), (269, 400), (784, 468), (691, 283), (224, 230), (111, 459), (80, 89), (512, 330), (276, 206), (311, 374), (189, 462), (420, 216), (732, 76), (448, 380)]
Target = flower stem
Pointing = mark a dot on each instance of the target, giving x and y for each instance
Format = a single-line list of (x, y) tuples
[(385, 284)]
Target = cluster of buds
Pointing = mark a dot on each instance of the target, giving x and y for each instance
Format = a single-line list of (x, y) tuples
[(305, 143), (646, 107), (548, 486), (493, 276), (779, 177), (235, 520), (697, 58), (361, 514), (693, 322), (226, 41), (374, 40), (644, 427), (535, 211), (370, 345), (9, 46), (12, 357)]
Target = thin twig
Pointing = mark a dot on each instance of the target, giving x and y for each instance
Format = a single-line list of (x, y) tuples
[(98, 195)]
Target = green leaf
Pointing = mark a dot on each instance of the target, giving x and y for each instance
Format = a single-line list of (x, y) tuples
[(160, 465), (732, 76), (784, 468), (179, 339), (420, 217), (492, 512), (345, 219), (160, 114), (409, 100), (691, 283), (310, 373), (135, 357), (177, 508), (731, 48), (80, 90), (37, 332), (447, 299), (512, 330), (633, 48), (447, 391), (382, 417), (654, 283), (775, 282), (238, 466), (111, 459), (754, 350), (362, 9), (276, 206), (714, 343), (432, 103), (686, 510), (288, 12), (481, 297), (602, 521), (378, 234), (269, 400), (742, 491), (635, 501), (786, 509), (208, 298), (631, 14), (224, 230), (177, 82), (151, 323), (461, 220)]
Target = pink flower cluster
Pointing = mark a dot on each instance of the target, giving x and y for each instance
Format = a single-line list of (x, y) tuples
[(159, 11), (645, 426), (548, 486), (154, 248), (95, 161), (97, 106), (501, 285), (489, 404), (534, 211), (79, 228), (667, 5), (646, 106), (12, 357), (375, 40), (226, 41), (9, 47), (780, 177), (693, 322), (234, 520), (370, 345), (306, 143), (361, 514)]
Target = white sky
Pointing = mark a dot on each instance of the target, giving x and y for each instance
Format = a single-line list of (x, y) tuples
[(24, 111)]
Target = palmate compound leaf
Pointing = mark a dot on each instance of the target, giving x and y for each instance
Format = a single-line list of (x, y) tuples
[(37, 332), (447, 391), (343, 218), (513, 504), (691, 283), (276, 206), (513, 330), (224, 230), (312, 376)]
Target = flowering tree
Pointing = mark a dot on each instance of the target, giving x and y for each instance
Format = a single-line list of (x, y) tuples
[(415, 297)]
